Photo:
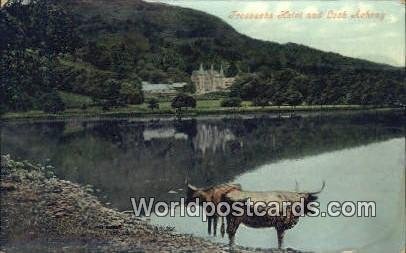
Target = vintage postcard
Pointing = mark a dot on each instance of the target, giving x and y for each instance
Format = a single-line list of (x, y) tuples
[(202, 126)]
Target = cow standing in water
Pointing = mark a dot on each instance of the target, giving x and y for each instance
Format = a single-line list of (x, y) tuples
[(232, 193), (280, 222)]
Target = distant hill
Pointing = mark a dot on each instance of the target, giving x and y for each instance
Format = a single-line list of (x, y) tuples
[(132, 40), (182, 38)]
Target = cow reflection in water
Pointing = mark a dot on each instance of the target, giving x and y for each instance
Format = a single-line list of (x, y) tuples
[(232, 193)]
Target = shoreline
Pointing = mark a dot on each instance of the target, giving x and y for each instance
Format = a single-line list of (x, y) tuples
[(126, 113), (42, 212)]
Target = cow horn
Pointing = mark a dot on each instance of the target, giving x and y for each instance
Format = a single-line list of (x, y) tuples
[(322, 188)]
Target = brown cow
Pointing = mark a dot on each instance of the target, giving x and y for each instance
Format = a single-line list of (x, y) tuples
[(280, 222), (215, 195)]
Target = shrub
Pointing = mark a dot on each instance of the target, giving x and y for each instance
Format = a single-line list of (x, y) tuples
[(260, 101), (3, 109), (153, 104), (183, 100), (231, 102), (52, 103), (189, 88), (131, 93)]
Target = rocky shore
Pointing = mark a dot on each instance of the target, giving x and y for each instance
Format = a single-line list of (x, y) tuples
[(41, 213)]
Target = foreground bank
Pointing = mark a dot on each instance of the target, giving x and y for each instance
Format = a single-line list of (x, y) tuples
[(42, 213)]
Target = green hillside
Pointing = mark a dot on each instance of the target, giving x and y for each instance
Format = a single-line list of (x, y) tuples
[(103, 49)]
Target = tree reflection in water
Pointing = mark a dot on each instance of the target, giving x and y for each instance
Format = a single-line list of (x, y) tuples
[(126, 158)]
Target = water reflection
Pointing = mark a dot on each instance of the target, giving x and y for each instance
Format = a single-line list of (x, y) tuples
[(373, 172), (126, 158)]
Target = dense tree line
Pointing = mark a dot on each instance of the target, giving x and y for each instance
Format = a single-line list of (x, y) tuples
[(40, 47), (289, 87), (53, 45), (32, 35)]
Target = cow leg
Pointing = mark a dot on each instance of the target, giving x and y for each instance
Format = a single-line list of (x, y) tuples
[(281, 234), (209, 218), (222, 229), (215, 220), (232, 226)]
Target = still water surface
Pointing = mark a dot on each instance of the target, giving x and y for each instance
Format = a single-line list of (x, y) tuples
[(361, 156)]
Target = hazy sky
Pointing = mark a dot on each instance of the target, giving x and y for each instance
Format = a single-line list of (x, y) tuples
[(380, 39)]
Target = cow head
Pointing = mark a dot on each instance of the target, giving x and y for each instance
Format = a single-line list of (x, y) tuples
[(193, 193)]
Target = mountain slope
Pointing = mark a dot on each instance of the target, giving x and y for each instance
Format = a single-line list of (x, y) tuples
[(126, 41), (167, 43), (170, 26)]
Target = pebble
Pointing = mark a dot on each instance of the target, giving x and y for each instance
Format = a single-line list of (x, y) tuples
[(7, 186)]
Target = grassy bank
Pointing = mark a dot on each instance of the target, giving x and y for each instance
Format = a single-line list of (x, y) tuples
[(203, 107)]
